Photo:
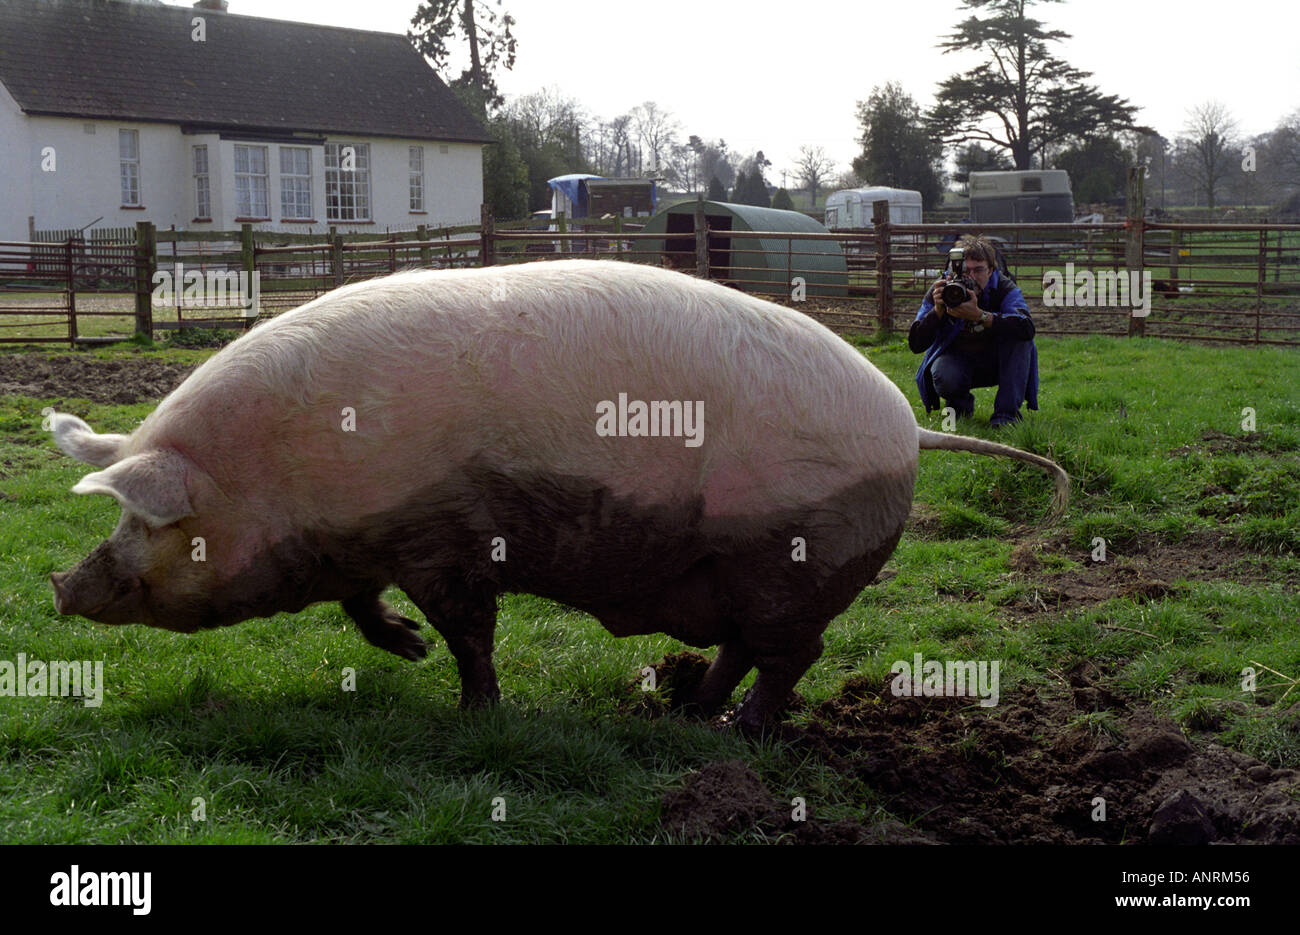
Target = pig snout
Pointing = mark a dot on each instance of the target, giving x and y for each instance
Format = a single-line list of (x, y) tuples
[(99, 588)]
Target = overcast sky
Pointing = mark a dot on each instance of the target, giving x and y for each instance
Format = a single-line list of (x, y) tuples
[(775, 76)]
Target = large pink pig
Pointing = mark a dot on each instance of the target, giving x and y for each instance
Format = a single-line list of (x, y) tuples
[(664, 453)]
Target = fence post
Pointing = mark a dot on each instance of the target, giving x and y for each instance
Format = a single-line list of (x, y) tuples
[(1175, 251), (146, 264), (487, 227), (1133, 228), (1261, 275), (336, 257), (884, 264), (72, 292), (562, 225), (247, 250), (701, 239), (618, 232), (422, 235)]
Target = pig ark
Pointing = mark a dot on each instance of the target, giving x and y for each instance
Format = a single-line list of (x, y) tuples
[(664, 453)]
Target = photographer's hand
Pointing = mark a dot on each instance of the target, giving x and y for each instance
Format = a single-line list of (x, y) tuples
[(936, 296), (969, 309)]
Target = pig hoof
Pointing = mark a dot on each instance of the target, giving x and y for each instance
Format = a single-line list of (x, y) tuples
[(386, 628), (395, 637), (409, 645), (480, 699), (406, 622), (752, 721)]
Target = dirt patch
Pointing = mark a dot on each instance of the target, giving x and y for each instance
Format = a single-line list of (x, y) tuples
[(724, 798), (124, 380), (1219, 443), (1144, 569), (1040, 767), (924, 521)]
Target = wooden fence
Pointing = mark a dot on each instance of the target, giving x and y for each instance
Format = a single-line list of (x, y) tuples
[(1211, 282)]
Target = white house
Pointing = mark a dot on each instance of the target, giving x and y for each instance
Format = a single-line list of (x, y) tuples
[(202, 119)]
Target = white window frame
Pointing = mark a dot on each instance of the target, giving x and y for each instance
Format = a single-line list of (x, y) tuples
[(202, 183), (251, 184), (347, 193), (128, 158), (295, 187), (415, 172)]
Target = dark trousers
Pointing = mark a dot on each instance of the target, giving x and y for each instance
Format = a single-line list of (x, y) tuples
[(1006, 366)]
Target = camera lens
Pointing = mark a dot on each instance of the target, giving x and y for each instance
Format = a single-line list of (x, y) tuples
[(954, 294)]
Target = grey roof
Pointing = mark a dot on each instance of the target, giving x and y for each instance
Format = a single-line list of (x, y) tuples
[(108, 59)]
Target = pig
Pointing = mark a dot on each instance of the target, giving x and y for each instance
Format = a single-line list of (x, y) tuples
[(464, 433)]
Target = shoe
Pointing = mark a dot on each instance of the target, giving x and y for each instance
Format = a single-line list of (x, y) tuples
[(1001, 421)]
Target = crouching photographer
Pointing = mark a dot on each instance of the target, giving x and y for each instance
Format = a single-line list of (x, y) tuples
[(978, 333)]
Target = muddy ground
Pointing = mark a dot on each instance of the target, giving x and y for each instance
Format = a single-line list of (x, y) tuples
[(1025, 772), (1038, 768), (125, 380), (1030, 770)]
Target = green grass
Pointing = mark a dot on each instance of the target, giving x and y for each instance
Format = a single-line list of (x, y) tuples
[(253, 721)]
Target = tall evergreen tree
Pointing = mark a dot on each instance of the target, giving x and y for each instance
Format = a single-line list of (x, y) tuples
[(740, 189), (1035, 99), (486, 31)]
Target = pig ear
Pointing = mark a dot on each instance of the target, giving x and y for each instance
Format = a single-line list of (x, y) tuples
[(78, 439), (151, 485)]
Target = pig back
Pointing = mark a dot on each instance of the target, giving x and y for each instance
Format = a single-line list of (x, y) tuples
[(348, 406)]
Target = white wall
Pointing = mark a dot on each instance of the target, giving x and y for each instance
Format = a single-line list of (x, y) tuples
[(85, 184), (15, 157)]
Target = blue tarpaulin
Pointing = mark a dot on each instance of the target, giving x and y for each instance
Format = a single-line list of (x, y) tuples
[(571, 187)]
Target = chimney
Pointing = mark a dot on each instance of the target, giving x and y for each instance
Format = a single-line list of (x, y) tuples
[(218, 6)]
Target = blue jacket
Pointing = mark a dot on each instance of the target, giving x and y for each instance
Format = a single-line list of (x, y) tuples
[(1002, 297)]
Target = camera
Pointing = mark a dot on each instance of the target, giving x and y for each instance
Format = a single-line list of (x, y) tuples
[(954, 292)]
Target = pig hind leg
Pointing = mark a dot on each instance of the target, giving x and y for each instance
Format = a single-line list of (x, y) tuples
[(777, 677), (466, 617), (384, 627)]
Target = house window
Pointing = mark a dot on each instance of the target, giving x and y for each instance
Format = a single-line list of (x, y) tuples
[(416, 164), (251, 187), (347, 181), (202, 189), (295, 182), (128, 154)]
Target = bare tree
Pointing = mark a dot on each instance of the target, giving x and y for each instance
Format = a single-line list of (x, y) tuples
[(655, 130), (547, 117), (813, 167), (620, 132), (1208, 148), (847, 179), (683, 168), (715, 163), (1282, 162)]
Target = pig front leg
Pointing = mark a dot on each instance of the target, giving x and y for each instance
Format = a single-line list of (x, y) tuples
[(731, 664), (467, 618), (384, 627)]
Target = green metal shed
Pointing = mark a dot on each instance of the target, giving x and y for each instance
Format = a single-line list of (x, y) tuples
[(765, 265)]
